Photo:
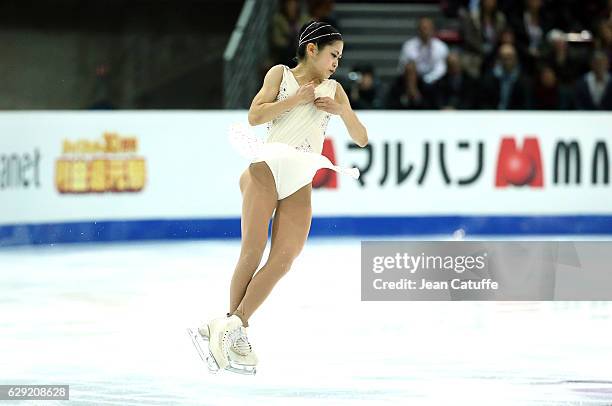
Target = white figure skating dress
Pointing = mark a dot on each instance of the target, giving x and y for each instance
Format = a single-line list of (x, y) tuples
[(295, 140)]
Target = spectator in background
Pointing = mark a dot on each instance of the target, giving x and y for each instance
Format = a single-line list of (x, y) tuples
[(505, 87), (323, 10), (422, 62), (403, 95), (364, 90), (481, 30), (284, 29), (506, 37), (531, 27), (457, 89), (603, 38), (594, 90), (546, 94), (557, 55), (566, 65), (427, 53)]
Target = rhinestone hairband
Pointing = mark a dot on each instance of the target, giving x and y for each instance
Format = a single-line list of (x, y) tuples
[(317, 37), (304, 37), (306, 29)]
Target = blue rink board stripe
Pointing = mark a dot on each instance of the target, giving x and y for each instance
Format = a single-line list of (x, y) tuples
[(137, 230)]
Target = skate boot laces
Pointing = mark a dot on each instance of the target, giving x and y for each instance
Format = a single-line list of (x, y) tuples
[(240, 342)]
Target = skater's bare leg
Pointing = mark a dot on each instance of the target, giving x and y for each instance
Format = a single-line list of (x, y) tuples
[(259, 199), (289, 233)]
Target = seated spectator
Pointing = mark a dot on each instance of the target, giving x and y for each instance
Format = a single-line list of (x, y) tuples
[(505, 87), (531, 27), (546, 94), (284, 29), (481, 30), (506, 37), (323, 10), (566, 65), (594, 90), (422, 62), (405, 95), (425, 52), (364, 89), (603, 38), (457, 89)]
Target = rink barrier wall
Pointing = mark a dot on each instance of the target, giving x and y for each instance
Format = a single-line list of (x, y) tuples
[(193, 229), (123, 176)]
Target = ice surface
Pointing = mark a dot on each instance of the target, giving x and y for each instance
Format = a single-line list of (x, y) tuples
[(109, 320)]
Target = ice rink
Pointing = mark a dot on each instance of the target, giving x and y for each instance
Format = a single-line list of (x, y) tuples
[(109, 320)]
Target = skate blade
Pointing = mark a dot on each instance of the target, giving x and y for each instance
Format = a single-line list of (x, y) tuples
[(241, 369), (206, 356)]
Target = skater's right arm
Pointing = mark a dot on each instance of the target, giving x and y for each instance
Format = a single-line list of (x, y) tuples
[(264, 108)]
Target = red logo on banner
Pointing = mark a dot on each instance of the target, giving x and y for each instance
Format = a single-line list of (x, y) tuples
[(326, 178), (519, 167)]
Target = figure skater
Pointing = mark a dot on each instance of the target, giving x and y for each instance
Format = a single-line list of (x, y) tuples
[(297, 105)]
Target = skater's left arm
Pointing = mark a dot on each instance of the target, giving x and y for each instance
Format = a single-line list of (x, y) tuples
[(341, 106)]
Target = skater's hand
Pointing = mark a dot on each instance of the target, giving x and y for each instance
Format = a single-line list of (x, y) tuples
[(329, 105), (306, 93)]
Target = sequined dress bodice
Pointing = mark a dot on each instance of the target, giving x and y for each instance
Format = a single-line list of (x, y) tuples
[(302, 127)]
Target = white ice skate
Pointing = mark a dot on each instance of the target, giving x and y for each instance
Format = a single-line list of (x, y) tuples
[(228, 346), (200, 341)]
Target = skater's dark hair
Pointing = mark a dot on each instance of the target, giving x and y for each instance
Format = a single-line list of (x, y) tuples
[(318, 33)]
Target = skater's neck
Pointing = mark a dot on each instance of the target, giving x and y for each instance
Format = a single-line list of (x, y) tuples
[(304, 74)]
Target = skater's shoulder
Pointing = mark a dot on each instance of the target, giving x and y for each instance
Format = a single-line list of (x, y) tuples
[(277, 70), (340, 93), (274, 75)]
